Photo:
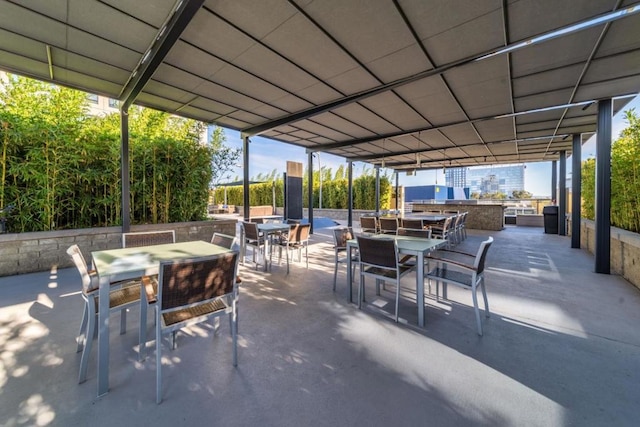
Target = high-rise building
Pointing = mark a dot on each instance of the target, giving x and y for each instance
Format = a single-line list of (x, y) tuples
[(456, 177), (492, 179)]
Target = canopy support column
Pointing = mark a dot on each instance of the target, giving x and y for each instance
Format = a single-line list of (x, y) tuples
[(245, 174), (377, 190), (310, 190), (603, 187), (124, 169), (554, 182), (562, 197), (350, 193), (576, 190)]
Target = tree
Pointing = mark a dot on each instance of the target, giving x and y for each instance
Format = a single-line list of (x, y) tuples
[(521, 194), (224, 158)]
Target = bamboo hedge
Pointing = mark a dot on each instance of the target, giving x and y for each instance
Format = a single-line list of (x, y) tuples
[(625, 179), (61, 168), (334, 193)]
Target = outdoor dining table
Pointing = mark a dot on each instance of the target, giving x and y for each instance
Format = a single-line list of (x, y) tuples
[(407, 245), (268, 229), (114, 265)]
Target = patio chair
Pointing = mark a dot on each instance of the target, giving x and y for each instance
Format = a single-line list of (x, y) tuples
[(379, 260), (224, 240), (416, 224), (442, 230), (470, 276), (433, 212), (415, 232), (463, 226), (388, 225), (148, 238), (451, 212), (369, 224), (253, 238), (193, 291), (127, 295), (296, 238), (340, 238)]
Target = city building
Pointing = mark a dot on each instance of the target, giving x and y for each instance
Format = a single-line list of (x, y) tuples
[(495, 179)]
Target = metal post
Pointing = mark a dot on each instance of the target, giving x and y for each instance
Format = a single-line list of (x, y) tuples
[(562, 197), (245, 170), (310, 190), (350, 193), (554, 182), (320, 176), (576, 190), (603, 188), (377, 190), (124, 169), (397, 193)]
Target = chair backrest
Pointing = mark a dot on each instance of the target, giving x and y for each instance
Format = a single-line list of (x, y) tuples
[(412, 223), (415, 232), (341, 236), (434, 212), (378, 252), (223, 240), (250, 230), (299, 233), (148, 238), (257, 220), (482, 255), (388, 224), (369, 223), (451, 212), (89, 282), (191, 281)]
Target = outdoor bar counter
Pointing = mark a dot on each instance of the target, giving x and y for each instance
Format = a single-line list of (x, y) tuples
[(480, 217)]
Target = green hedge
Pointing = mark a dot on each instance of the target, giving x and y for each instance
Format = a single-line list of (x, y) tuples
[(625, 179)]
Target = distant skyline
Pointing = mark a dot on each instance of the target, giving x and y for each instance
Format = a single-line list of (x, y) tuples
[(265, 155)]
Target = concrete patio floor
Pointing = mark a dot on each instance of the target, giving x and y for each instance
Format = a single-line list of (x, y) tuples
[(561, 348)]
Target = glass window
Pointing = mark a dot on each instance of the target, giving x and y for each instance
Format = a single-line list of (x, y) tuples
[(93, 98), (113, 103)]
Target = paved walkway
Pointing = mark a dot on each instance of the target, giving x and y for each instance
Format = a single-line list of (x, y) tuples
[(562, 348)]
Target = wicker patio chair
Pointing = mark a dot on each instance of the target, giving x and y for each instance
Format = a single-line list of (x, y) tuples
[(193, 291), (127, 295)]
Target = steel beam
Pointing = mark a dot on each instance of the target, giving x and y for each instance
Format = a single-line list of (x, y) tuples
[(603, 188), (167, 36), (497, 51)]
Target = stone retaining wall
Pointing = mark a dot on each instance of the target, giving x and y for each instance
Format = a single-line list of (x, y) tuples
[(40, 251), (625, 250)]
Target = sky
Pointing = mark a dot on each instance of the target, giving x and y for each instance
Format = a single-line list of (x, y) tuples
[(265, 155)]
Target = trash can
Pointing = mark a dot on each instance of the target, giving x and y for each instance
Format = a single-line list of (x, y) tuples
[(550, 219)]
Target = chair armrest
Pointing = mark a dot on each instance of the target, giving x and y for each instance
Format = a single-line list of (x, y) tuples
[(457, 252), (147, 283), (450, 261)]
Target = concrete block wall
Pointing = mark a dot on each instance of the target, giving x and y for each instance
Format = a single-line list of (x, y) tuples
[(30, 252), (625, 250)]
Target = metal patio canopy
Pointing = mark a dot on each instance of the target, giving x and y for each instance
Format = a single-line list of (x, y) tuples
[(404, 84)]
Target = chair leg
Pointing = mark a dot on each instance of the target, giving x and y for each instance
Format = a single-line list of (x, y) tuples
[(82, 335), (487, 313), (398, 298), (142, 334), (86, 352), (287, 250), (123, 321), (306, 254), (234, 333), (474, 294), (335, 274), (360, 291), (158, 362)]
